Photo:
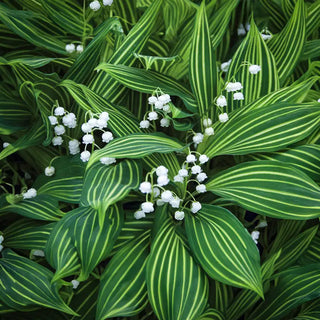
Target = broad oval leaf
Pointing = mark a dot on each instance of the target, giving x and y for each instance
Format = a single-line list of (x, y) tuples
[(265, 129), (253, 50), (203, 69), (123, 290), (177, 286), (296, 286), (136, 146), (224, 248), (270, 188), (26, 283)]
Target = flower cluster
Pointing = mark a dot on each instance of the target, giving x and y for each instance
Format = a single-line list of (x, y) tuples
[(70, 48), (30, 193), (255, 236), (160, 195), (1, 240), (95, 5), (160, 104)]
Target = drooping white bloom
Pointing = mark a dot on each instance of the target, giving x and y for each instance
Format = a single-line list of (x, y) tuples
[(160, 202), (107, 2), (197, 138), (163, 180), (107, 137), (166, 108), (70, 47), (57, 141), (152, 116), (233, 86), (203, 159), (92, 122), (247, 26), (104, 115), (195, 207), (59, 111), (201, 177), (30, 193), (164, 98), (152, 100), (238, 96), (53, 120), (254, 69), (179, 215), (147, 207), (59, 129), (266, 36), (107, 161), (95, 5), (1, 239), (223, 117), (74, 146), (201, 188), (221, 101), (87, 139), (318, 100), (241, 31), (183, 172), (86, 128), (85, 155), (207, 122), (175, 202), (191, 158), (164, 122), (255, 236), (156, 192), (209, 131), (196, 169), (139, 214), (145, 187), (69, 120), (158, 104), (75, 284), (102, 123), (161, 171), (38, 253), (144, 124), (225, 66), (49, 171), (79, 48), (166, 196), (5, 144), (178, 178), (1, 247), (262, 224)]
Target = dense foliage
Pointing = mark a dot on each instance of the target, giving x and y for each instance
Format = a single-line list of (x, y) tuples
[(161, 159)]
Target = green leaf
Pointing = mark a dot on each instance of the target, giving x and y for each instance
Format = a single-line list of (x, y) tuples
[(26, 283), (177, 286), (212, 314), (312, 254), (123, 290), (27, 234), (106, 185), (224, 248), (136, 146), (67, 182), (306, 158), (287, 45), (202, 65), (253, 50), (265, 129), (148, 81), (94, 240), (29, 25), (296, 286), (42, 207), (270, 188)]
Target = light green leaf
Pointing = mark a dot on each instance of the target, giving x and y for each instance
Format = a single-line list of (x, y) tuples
[(265, 129), (202, 65), (224, 248), (177, 286), (212, 314), (270, 188), (26, 283), (123, 290)]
